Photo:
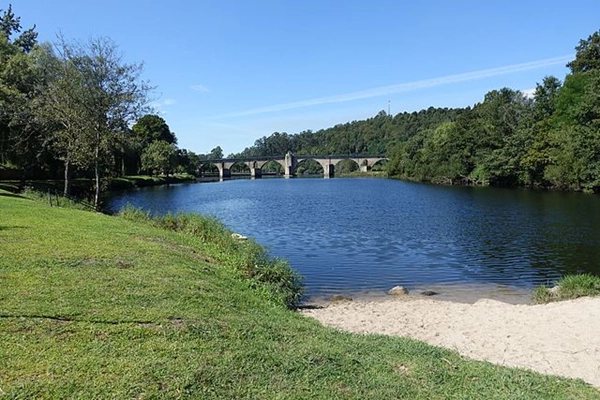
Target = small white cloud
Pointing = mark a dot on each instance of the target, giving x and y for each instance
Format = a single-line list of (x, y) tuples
[(529, 93), (200, 88), (163, 103), (159, 105)]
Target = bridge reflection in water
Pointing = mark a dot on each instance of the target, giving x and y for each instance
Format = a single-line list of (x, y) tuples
[(289, 162)]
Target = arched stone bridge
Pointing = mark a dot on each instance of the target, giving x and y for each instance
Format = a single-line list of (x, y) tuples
[(289, 162)]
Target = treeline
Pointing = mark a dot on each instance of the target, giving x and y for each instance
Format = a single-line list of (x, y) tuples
[(75, 109), (550, 139), (374, 136)]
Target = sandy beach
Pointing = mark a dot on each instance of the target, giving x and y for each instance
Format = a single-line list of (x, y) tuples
[(560, 338)]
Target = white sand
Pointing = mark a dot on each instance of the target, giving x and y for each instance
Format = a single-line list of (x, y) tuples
[(558, 338)]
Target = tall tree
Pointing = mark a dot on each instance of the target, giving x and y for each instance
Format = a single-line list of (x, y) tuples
[(151, 128), (94, 96), (216, 153), (148, 129), (159, 156), (19, 136), (11, 25)]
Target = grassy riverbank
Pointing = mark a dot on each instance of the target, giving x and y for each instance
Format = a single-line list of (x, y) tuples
[(568, 288), (83, 188), (93, 306)]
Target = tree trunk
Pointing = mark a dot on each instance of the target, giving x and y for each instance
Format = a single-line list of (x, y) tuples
[(97, 175), (67, 188)]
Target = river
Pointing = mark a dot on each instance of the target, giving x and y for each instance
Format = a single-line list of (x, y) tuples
[(362, 236)]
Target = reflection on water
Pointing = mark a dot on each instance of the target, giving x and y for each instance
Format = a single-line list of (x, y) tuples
[(367, 235)]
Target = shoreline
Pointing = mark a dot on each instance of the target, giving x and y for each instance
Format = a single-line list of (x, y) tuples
[(467, 293), (556, 338)]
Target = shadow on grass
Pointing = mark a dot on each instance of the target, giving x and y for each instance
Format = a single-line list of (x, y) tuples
[(4, 228), (13, 195)]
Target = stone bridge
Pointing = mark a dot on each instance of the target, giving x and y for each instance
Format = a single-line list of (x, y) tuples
[(289, 162)]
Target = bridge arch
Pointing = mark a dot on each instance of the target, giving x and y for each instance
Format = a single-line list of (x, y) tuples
[(346, 165), (269, 164), (276, 167), (240, 167), (309, 166), (380, 164), (208, 168)]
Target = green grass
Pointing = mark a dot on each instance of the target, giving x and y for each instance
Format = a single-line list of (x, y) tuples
[(93, 306), (567, 288)]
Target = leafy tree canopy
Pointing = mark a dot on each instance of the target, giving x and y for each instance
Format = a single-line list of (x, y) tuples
[(160, 156), (587, 57), (216, 153), (151, 128)]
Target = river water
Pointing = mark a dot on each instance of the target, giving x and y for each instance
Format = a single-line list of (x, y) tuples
[(360, 236)]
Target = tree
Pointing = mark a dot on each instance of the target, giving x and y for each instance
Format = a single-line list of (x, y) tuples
[(10, 25), (188, 161), (216, 153), (21, 142), (587, 57), (93, 96), (545, 97), (575, 134), (159, 156), (151, 128), (148, 129)]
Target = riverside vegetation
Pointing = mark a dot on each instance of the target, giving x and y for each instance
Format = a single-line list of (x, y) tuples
[(97, 306), (567, 288)]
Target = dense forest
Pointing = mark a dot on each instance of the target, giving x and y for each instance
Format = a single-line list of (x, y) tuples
[(374, 136), (76, 110)]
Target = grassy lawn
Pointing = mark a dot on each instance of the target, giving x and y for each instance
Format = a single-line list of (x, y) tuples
[(93, 306)]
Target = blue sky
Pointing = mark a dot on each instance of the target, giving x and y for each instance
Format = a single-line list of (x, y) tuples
[(228, 72)]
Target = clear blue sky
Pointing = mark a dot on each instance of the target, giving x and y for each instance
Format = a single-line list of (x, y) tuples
[(231, 71)]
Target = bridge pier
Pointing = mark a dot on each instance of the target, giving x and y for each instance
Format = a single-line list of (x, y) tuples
[(289, 168), (364, 168), (289, 172), (224, 173), (328, 171), (255, 173)]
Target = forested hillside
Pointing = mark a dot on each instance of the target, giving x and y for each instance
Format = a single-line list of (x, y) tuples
[(550, 139), (374, 136)]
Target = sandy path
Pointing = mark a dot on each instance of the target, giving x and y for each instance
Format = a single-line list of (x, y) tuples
[(558, 338)]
